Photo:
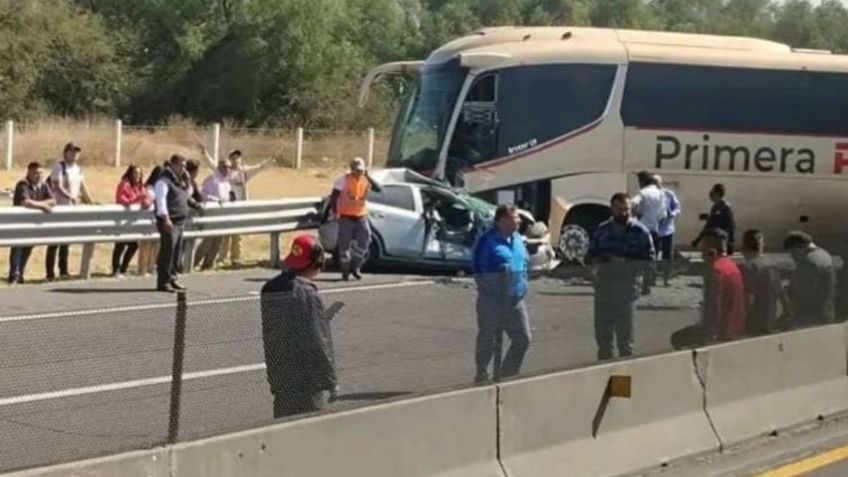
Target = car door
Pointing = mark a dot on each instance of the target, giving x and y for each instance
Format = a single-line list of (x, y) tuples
[(395, 215)]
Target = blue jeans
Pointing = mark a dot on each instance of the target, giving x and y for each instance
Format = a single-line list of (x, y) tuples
[(18, 257), (497, 315)]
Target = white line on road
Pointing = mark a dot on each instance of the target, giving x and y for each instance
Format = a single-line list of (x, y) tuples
[(211, 373), (102, 388), (160, 306)]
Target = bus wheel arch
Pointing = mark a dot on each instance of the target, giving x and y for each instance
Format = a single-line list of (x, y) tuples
[(577, 230)]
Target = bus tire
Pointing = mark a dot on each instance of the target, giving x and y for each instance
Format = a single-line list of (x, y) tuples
[(577, 230)]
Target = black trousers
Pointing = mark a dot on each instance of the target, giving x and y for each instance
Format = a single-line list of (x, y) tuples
[(170, 244), (51, 260), (122, 256)]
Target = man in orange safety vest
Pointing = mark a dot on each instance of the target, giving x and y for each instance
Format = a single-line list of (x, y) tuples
[(348, 203)]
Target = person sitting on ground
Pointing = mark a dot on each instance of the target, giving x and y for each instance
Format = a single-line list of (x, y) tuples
[(812, 288), (296, 334), (763, 285), (130, 191), (33, 193), (723, 314)]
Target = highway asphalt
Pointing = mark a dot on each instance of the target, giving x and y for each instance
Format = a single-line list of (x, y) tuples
[(86, 366)]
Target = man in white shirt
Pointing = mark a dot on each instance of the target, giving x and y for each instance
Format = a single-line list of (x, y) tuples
[(216, 188), (651, 207), (67, 183), (240, 175), (171, 207)]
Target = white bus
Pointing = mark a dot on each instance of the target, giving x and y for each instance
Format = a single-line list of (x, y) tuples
[(557, 119)]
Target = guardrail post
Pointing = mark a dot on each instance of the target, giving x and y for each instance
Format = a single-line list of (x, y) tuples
[(119, 137), (370, 147), (177, 369), (275, 250), (298, 150), (216, 141), (10, 138), (85, 261)]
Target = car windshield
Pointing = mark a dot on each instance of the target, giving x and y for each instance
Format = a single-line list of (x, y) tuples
[(423, 120), (478, 206)]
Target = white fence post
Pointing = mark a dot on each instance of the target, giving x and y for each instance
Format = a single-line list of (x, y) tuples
[(370, 147), (10, 138), (119, 137), (216, 140), (298, 153)]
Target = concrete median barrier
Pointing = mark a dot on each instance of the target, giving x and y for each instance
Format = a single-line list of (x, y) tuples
[(152, 463), (761, 385), (572, 423), (446, 435)]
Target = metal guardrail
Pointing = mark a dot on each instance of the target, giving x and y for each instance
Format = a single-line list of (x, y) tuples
[(89, 225)]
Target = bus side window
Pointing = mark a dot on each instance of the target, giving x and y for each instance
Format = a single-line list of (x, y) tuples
[(475, 136)]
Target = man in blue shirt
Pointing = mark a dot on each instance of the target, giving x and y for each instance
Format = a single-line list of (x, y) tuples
[(500, 270), (621, 251)]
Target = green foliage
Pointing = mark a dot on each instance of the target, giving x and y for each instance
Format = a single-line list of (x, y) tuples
[(287, 62)]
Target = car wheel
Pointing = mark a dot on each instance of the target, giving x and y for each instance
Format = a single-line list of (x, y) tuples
[(373, 257)]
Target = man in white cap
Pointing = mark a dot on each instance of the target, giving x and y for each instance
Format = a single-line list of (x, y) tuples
[(348, 203)]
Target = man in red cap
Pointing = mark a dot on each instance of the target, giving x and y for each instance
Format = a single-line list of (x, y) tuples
[(296, 333)]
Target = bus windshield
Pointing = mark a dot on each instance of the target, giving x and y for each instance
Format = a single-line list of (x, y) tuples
[(422, 122)]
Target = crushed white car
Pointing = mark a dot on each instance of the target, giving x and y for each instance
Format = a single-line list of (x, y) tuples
[(422, 223)]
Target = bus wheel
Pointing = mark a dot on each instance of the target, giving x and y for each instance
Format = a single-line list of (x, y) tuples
[(574, 242), (577, 231)]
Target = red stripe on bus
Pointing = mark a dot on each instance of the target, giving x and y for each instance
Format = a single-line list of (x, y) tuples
[(733, 131), (540, 147)]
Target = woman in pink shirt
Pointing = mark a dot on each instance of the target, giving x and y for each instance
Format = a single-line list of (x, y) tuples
[(130, 191)]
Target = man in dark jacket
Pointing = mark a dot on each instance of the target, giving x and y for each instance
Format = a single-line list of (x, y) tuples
[(721, 217), (296, 333), (812, 288)]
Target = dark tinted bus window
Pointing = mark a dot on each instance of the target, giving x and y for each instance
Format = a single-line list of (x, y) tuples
[(539, 103), (756, 100)]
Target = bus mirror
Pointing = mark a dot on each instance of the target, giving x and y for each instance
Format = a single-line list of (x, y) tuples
[(395, 68)]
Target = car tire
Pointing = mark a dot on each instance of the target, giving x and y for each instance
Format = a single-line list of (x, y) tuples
[(373, 257), (577, 231)]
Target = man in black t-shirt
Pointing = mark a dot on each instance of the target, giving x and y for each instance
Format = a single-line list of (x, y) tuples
[(31, 192)]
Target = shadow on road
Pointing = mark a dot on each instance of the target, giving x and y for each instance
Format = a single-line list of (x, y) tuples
[(372, 396), (94, 291)]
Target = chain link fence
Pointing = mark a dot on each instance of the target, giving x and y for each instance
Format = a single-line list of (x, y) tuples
[(89, 383)]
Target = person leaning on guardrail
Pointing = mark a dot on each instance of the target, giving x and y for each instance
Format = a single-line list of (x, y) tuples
[(620, 252), (296, 334), (68, 185), (130, 191), (500, 261), (171, 207), (148, 249), (240, 175), (31, 192), (216, 188)]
